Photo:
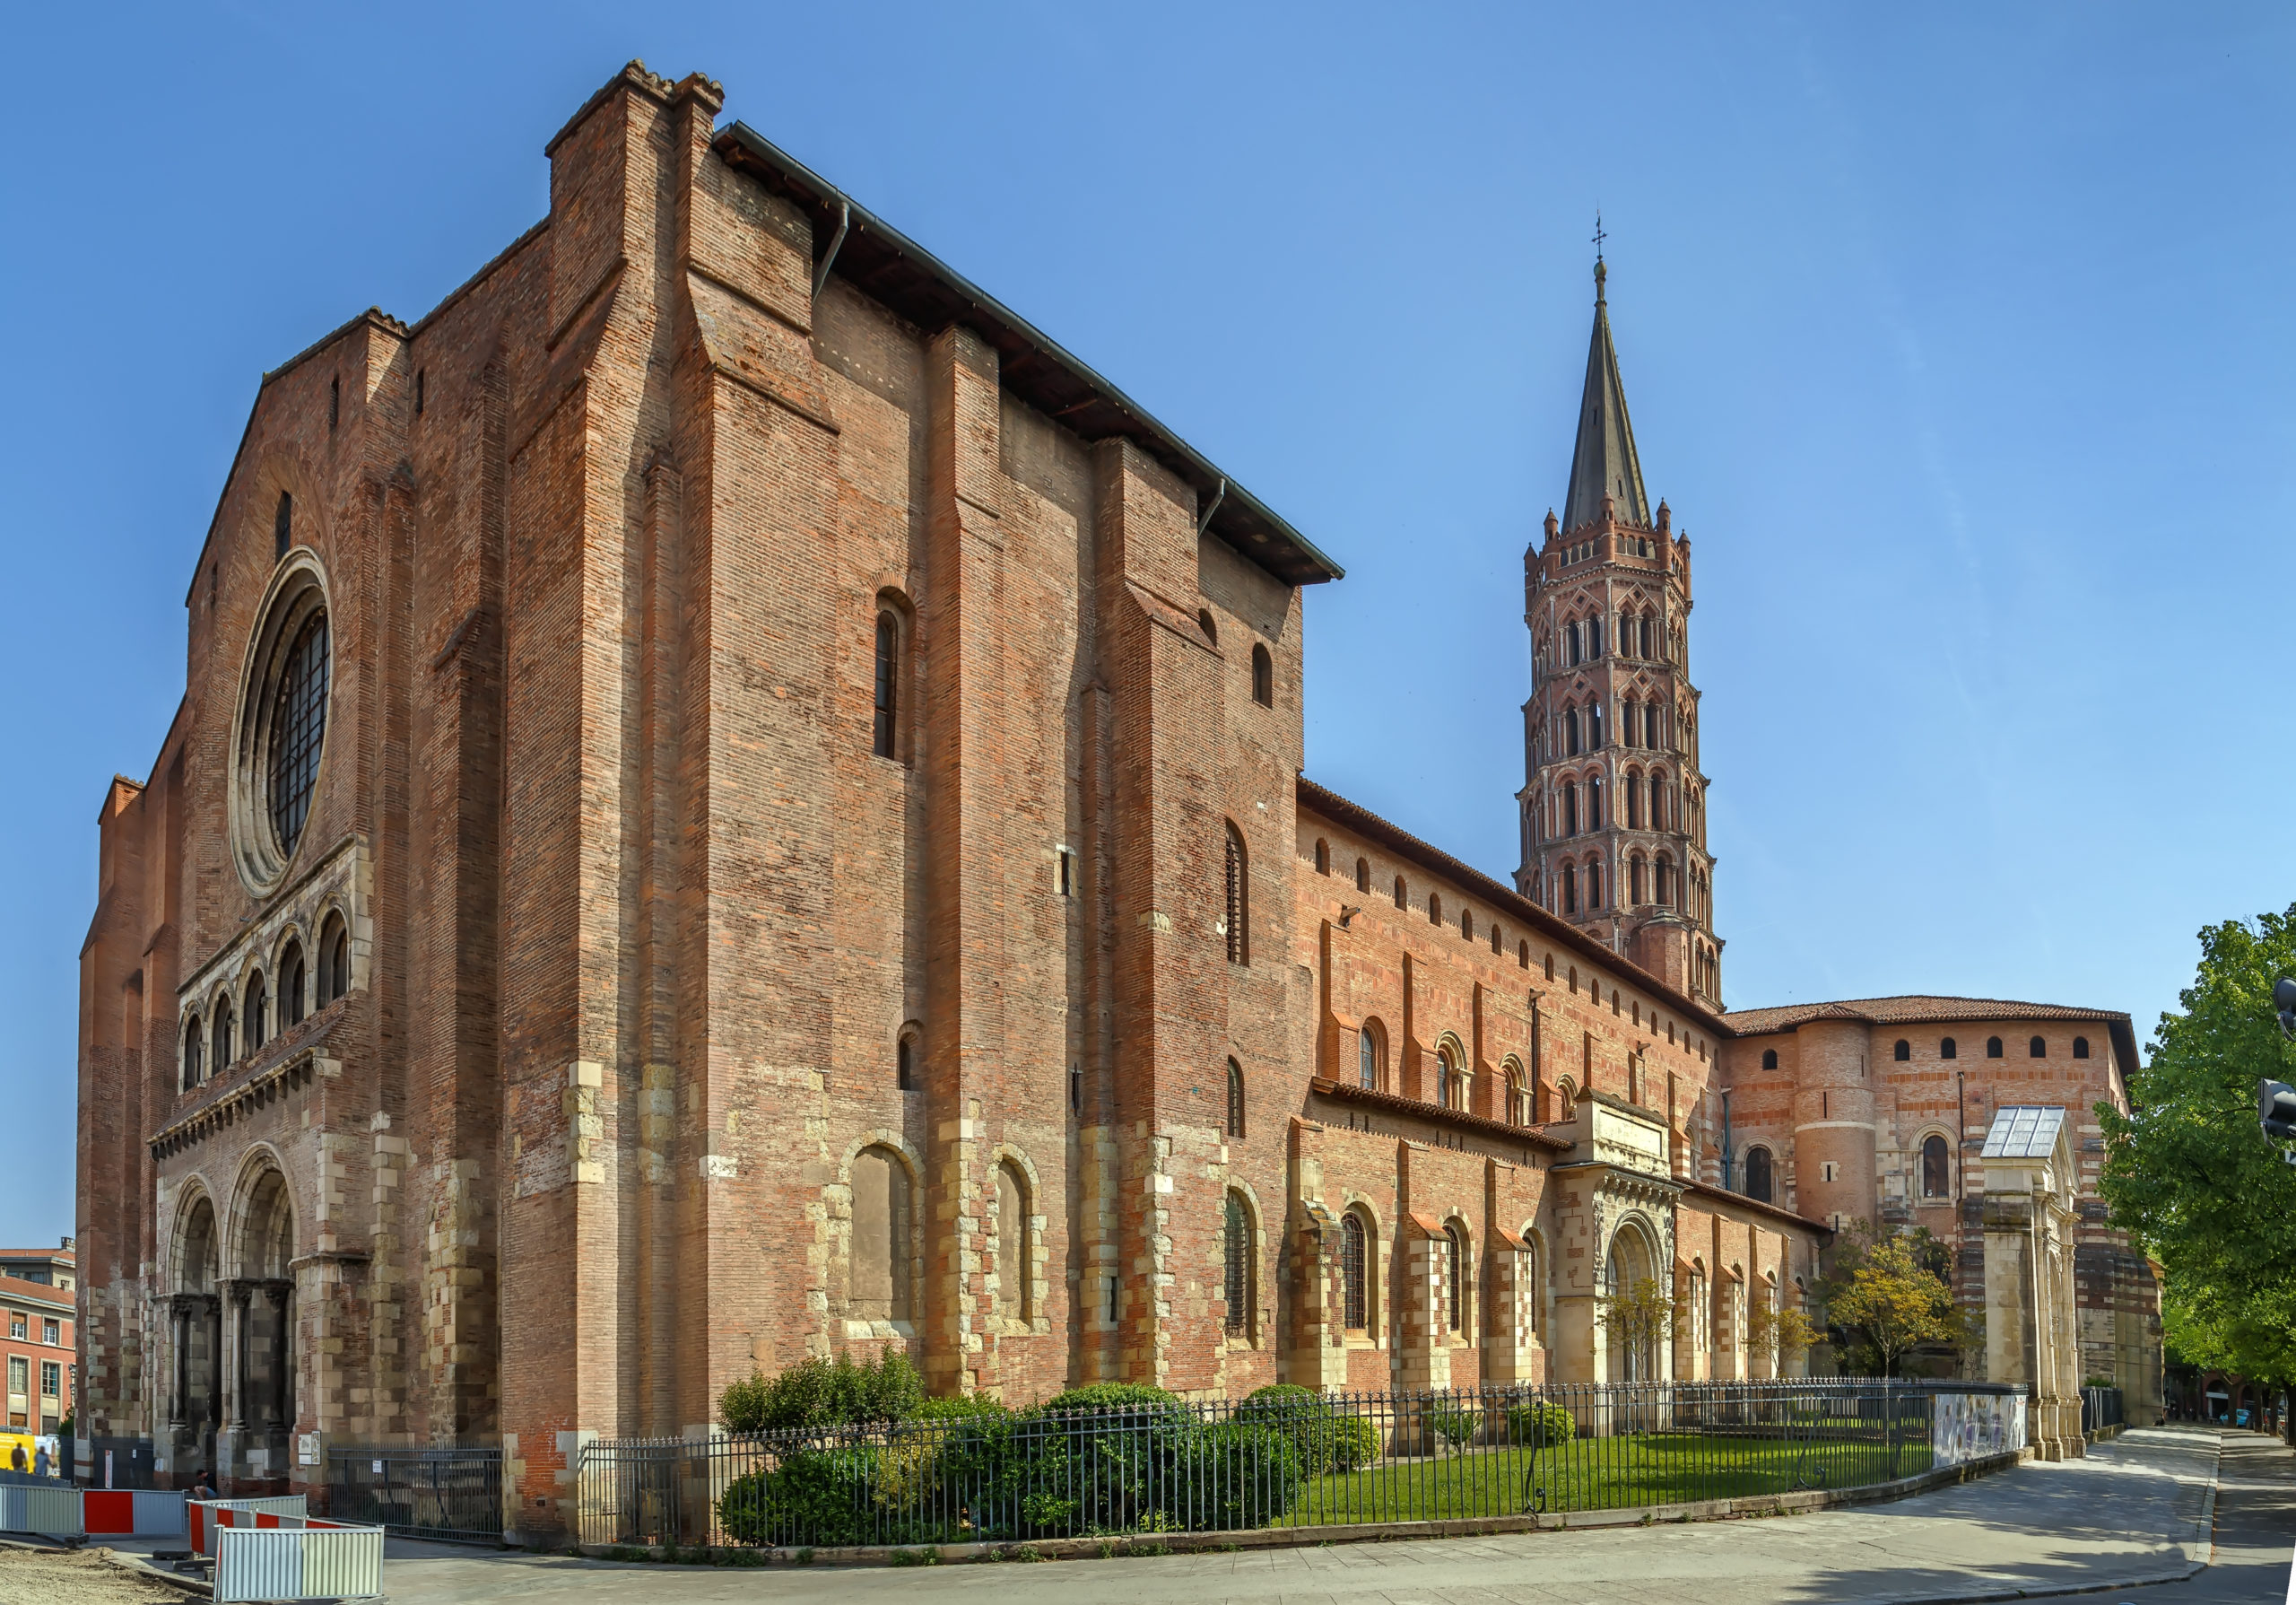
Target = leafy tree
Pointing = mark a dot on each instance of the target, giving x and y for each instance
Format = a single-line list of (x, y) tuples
[(2192, 1179), (1844, 1323), (1637, 1321), (1779, 1335), (813, 1395), (1896, 1301)]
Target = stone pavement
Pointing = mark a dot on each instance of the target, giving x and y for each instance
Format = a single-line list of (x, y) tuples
[(2136, 1512)]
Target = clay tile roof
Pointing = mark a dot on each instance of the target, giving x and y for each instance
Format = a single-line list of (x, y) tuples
[(1917, 1010)]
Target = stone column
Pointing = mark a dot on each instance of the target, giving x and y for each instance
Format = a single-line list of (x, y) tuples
[(1511, 1339)]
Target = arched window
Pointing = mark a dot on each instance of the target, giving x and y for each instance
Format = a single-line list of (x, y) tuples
[(1443, 1076), (2080, 1047), (1947, 1049), (1236, 1253), (1665, 877), (888, 689), (221, 1042), (1594, 637), (877, 1274), (1758, 1182), (1571, 732), (1657, 802), (1518, 1097), (1434, 908), (1238, 893), (1211, 631), (1936, 1179), (1651, 723), (1992, 1047), (1571, 643), (1363, 875), (1594, 886), (1371, 1056), (1523, 955), (298, 728), (1594, 726), (1403, 894), (1569, 807), (1263, 677), (257, 1012), (1566, 1095), (1013, 1290), (1770, 1058), (1496, 945), (292, 980), (1646, 641), (195, 1053), (1593, 802), (1569, 888), (1455, 1268), (1323, 856), (1235, 1099), (334, 961), (905, 1063), (2036, 1049), (1627, 723), (1354, 1272), (1632, 793), (1903, 1051)]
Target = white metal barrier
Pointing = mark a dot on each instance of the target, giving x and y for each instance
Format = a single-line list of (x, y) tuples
[(298, 1562), (204, 1515), (53, 1512)]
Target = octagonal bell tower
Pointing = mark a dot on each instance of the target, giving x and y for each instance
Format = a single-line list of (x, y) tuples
[(1613, 805)]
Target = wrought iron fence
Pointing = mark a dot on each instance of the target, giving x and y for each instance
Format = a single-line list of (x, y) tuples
[(1287, 1459), (2100, 1407), (448, 1493)]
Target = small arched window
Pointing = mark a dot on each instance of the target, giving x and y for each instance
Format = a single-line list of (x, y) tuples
[(1650, 725), (195, 1053), (1665, 877), (1757, 1178), (292, 985), (1570, 645), (1569, 888), (2037, 1047), (1236, 1255), (1238, 899), (257, 1012), (1235, 1100), (1594, 637), (2080, 1047), (1634, 879), (1569, 807), (1936, 1179), (1523, 955), (1363, 875), (1434, 908), (1632, 792), (222, 1045), (1013, 1295), (1992, 1047), (1770, 1058), (1593, 802), (1567, 1096), (1211, 631), (1444, 1073), (1263, 677), (888, 683), (1903, 1051), (1371, 1056), (1518, 1097), (1466, 924), (905, 1063), (1354, 1272), (1948, 1049), (1594, 886), (1323, 856), (1647, 642), (334, 961), (1571, 732), (1627, 723), (1403, 894), (1657, 802), (1594, 726)]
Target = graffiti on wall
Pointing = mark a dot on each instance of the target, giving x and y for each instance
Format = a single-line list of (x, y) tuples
[(1968, 1426)]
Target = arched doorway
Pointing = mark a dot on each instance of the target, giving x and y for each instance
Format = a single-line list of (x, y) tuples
[(261, 1313), (1635, 1306), (196, 1341)]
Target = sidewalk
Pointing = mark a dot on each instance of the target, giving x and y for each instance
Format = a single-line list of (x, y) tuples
[(2134, 1512)]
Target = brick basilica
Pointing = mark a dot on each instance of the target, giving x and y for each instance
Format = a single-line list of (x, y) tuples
[(735, 801)]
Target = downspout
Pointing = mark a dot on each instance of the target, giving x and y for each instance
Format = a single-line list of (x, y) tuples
[(1729, 1155), (1204, 522), (829, 257)]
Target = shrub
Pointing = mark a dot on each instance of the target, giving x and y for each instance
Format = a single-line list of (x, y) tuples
[(1233, 1474), (821, 1495), (1541, 1422), (1325, 1435), (1454, 1424), (1107, 1396), (815, 1393)]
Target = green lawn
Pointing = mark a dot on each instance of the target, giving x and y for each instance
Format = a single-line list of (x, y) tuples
[(1596, 1474)]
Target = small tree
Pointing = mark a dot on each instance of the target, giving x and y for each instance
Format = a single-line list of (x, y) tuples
[(1779, 1335), (1897, 1303), (1637, 1321)]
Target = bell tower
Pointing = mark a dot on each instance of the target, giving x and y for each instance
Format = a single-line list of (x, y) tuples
[(1613, 805)]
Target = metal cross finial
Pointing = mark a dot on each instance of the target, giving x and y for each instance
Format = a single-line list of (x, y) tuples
[(1599, 235)]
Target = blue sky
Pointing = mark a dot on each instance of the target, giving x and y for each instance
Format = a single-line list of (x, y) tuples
[(1959, 342)]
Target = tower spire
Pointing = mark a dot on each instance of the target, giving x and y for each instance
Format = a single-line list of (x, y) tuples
[(1603, 463)]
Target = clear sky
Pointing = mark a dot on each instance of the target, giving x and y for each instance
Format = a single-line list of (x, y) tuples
[(1959, 339)]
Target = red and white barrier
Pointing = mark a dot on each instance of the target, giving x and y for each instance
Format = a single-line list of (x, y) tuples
[(94, 1512), (240, 1513)]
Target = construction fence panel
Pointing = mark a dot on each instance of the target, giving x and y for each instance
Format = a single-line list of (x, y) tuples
[(298, 1563)]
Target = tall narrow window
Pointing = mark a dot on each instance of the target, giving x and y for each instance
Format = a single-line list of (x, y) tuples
[(291, 982), (298, 727), (1263, 677), (1235, 1100), (1594, 886), (1518, 1103), (1239, 895), (1236, 1279), (221, 1046), (1569, 643), (283, 526), (1571, 732), (1629, 727), (1757, 1178), (1935, 1180), (1664, 887), (1646, 652), (333, 402), (1454, 1268), (194, 1054), (420, 384), (1068, 862), (1569, 888), (905, 1064), (1594, 638), (1569, 807), (257, 1014), (1434, 908), (335, 961), (1635, 879), (1013, 1301), (1367, 1055), (1657, 803), (888, 681), (1593, 802), (1633, 795), (1403, 894), (1522, 956), (878, 1267), (1650, 725), (1363, 875), (1354, 1272), (1594, 726), (1323, 856)]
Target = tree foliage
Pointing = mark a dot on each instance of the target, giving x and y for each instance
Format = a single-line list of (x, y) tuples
[(1779, 1335), (1637, 1321), (2191, 1177), (1896, 1301)]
